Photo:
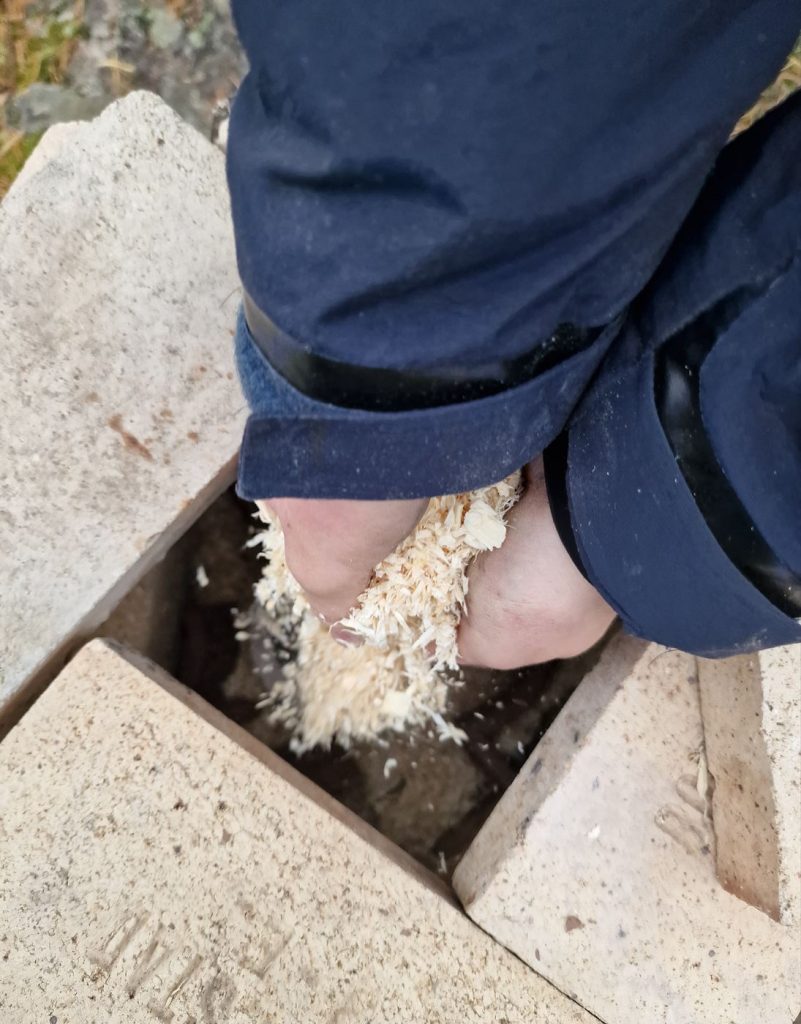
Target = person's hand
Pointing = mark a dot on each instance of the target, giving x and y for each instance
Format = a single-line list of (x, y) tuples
[(333, 546), (527, 602)]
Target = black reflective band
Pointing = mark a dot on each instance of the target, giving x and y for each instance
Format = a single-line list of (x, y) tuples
[(554, 463), (376, 389), (677, 385)]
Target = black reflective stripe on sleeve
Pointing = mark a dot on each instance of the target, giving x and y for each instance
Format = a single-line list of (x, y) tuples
[(379, 389), (677, 391), (554, 462)]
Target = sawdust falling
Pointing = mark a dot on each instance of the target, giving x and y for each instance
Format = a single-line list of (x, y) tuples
[(408, 616)]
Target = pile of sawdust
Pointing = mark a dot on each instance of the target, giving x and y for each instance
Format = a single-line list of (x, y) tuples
[(408, 618)]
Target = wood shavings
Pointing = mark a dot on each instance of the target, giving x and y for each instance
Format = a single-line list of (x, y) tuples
[(407, 617), (484, 529)]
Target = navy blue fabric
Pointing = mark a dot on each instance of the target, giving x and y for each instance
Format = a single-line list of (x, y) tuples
[(296, 447), (751, 396), (640, 535), (418, 181), (641, 539)]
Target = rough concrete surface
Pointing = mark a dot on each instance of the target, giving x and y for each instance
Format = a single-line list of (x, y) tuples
[(158, 869), (751, 708), (781, 725), (121, 413), (597, 866)]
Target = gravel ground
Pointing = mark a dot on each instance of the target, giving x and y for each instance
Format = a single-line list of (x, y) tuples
[(184, 50)]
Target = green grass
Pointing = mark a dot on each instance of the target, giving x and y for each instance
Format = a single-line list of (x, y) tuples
[(19, 148), (34, 47)]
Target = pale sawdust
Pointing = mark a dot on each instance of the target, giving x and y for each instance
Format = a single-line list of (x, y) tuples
[(408, 616)]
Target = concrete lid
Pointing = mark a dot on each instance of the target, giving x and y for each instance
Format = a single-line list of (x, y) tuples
[(120, 410), (597, 866), (161, 865)]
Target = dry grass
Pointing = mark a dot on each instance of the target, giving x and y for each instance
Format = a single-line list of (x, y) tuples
[(33, 48), (189, 11), (787, 82)]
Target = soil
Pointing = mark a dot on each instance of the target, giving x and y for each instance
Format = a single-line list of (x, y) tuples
[(428, 796)]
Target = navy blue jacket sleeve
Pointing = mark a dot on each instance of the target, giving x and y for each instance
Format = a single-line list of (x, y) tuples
[(423, 185), (684, 458)]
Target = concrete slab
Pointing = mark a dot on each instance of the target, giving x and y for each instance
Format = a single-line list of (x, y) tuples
[(597, 867), (751, 708), (160, 865), (121, 415)]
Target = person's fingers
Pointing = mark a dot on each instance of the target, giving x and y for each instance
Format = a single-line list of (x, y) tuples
[(332, 546), (527, 602)]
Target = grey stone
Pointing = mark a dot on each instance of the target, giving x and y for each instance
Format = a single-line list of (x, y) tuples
[(44, 104), (48, 148), (121, 412), (164, 29), (159, 865), (597, 868)]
